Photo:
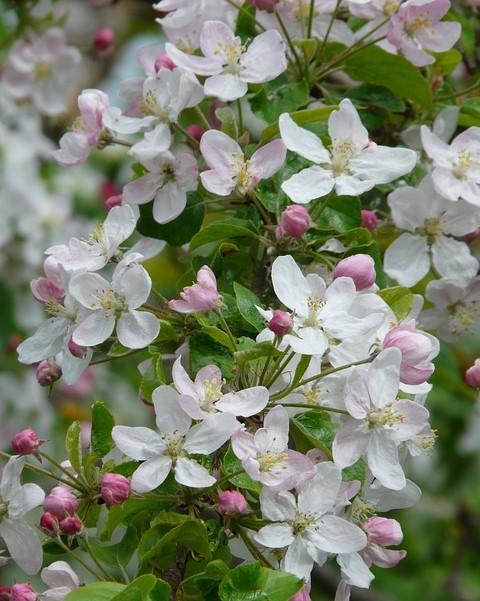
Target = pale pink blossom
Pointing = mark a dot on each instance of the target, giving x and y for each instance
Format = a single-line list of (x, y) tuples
[(361, 268), (61, 579), (202, 296), (232, 503), (294, 221)]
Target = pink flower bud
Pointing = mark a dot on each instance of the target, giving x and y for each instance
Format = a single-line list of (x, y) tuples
[(25, 442), (115, 489), (472, 375), (113, 201), (60, 502), (302, 596), (48, 372), (72, 525), (369, 219), (103, 42), (195, 131), (295, 221), (281, 323), (232, 502), (108, 188), (5, 593), (383, 531), (417, 348), (49, 523), (77, 351), (163, 61), (361, 268), (264, 4), (23, 592), (202, 296), (44, 290)]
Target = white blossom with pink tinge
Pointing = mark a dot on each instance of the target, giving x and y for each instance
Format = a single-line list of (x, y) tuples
[(416, 30), (76, 145), (204, 396), (202, 296), (230, 170), (41, 67), (228, 66), (61, 579), (265, 455)]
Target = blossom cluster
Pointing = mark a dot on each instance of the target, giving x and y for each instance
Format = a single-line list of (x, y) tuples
[(289, 381)]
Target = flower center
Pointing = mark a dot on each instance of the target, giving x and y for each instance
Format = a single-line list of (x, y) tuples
[(43, 71), (385, 417), (231, 54), (433, 227), (464, 163), (150, 106), (426, 441), (113, 303), (302, 521), (390, 7), (269, 460), (463, 316), (314, 395), (301, 11), (421, 22), (174, 441), (213, 392), (342, 152), (314, 305), (241, 168), (3, 509), (362, 510)]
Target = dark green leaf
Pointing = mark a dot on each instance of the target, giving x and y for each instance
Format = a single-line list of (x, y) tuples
[(252, 582), (341, 214), (271, 101), (102, 423), (97, 591), (377, 96), (221, 230), (191, 534), (205, 351), (73, 445), (246, 301), (246, 27)]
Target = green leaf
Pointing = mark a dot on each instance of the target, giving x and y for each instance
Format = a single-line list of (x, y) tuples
[(313, 429), (97, 591), (379, 96), (180, 230), (376, 66), (221, 230), (219, 336), (446, 62), (308, 47), (101, 440), (270, 192), (305, 117), (204, 351), (7, 323), (252, 582), (226, 116), (343, 213), (73, 445), (245, 26), (140, 590), (123, 514), (271, 101), (118, 350), (259, 351), (191, 534), (246, 301), (231, 465), (399, 299), (470, 113), (149, 380)]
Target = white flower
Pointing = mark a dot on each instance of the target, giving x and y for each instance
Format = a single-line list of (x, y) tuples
[(61, 579), (352, 166), (228, 66), (307, 525), (456, 167), (118, 301), (378, 422), (172, 446), (456, 310), (320, 313), (265, 455), (16, 500), (432, 221), (204, 396)]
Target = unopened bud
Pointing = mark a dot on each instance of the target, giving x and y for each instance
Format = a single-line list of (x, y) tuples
[(383, 531), (281, 323), (295, 221), (268, 5), (113, 201), (48, 372), (472, 375), (115, 489), (103, 42), (232, 502), (60, 502), (23, 592), (163, 61), (369, 219), (49, 523), (26, 442), (71, 525), (195, 131), (361, 268), (76, 350), (5, 593)]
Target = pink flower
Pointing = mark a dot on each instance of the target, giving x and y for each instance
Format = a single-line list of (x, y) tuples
[(361, 268), (232, 502), (302, 596), (472, 375), (416, 30), (295, 221), (115, 489), (41, 67), (50, 287), (163, 61), (26, 442), (23, 592), (281, 323), (202, 296), (103, 42), (48, 372), (418, 349), (230, 170), (228, 66), (60, 502), (75, 145), (71, 525), (369, 219), (383, 531)]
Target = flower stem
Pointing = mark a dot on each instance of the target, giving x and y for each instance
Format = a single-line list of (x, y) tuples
[(185, 133), (59, 467), (471, 88), (251, 547), (226, 329), (318, 407), (240, 117), (289, 42), (329, 28), (310, 18), (202, 117), (67, 549), (91, 552), (246, 13)]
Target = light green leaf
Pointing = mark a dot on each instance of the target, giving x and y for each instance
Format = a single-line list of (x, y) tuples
[(102, 424), (97, 591), (226, 116), (73, 445), (246, 301), (219, 336), (221, 230), (252, 582), (399, 299)]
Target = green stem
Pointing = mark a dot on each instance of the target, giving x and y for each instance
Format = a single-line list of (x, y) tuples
[(318, 407), (257, 554), (246, 13), (261, 209), (159, 295), (329, 28), (114, 140), (185, 133), (279, 370), (471, 88), (289, 42), (67, 549), (203, 119), (228, 477), (226, 328), (240, 117), (59, 467), (95, 560), (310, 19), (108, 359)]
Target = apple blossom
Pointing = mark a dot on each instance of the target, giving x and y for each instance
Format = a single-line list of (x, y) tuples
[(294, 221), (232, 503), (26, 442), (431, 222), (378, 423), (361, 268), (228, 66), (202, 296), (230, 170), (354, 165), (307, 526), (455, 171), (171, 447), (61, 579), (415, 30), (115, 303), (16, 500), (265, 455)]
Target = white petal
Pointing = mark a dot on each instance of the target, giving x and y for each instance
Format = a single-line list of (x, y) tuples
[(88, 288), (10, 484), (345, 124), (137, 329), (23, 544), (382, 458), (60, 574), (93, 330), (226, 87), (277, 506), (141, 190), (354, 570), (274, 536), (407, 259), (138, 443), (47, 341), (27, 498), (302, 141), (151, 473), (383, 165), (245, 402), (211, 434), (327, 479), (265, 58), (290, 285), (182, 380), (350, 443), (277, 423), (384, 377), (170, 417), (154, 142), (217, 149), (452, 258), (190, 473), (169, 203), (308, 184), (297, 559), (336, 535)]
